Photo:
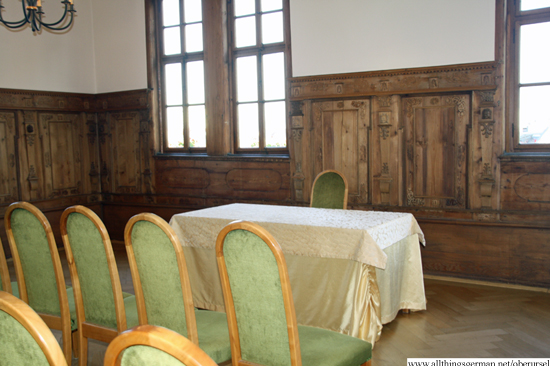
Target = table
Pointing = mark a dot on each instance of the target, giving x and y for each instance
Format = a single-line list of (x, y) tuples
[(350, 271)]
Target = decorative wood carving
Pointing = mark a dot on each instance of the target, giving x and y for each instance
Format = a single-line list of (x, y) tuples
[(479, 76)]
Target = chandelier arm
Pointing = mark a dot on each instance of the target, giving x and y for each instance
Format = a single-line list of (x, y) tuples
[(59, 28), (48, 25), (15, 24)]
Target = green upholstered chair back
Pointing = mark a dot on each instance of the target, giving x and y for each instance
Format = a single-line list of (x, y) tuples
[(159, 273), (88, 245), (24, 337), (330, 190), (149, 345), (34, 254), (255, 295)]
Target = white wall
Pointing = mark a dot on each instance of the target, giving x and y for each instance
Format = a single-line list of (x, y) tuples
[(332, 37), (103, 51), (119, 45), (47, 61)]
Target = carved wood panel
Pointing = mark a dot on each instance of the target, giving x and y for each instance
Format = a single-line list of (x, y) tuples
[(436, 145), (62, 144), (340, 141), (8, 170)]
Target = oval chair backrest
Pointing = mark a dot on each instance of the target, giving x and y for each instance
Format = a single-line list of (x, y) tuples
[(149, 345), (256, 292), (159, 273), (34, 251), (24, 337), (329, 190), (88, 250)]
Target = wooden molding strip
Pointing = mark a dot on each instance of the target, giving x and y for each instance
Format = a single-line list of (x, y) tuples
[(487, 283)]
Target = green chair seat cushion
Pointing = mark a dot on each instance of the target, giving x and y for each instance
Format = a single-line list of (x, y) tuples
[(147, 356), (131, 310), (213, 334), (17, 346), (321, 347)]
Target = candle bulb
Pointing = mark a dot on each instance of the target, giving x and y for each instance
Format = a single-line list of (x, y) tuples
[(39, 3)]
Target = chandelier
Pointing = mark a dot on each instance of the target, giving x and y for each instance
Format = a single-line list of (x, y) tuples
[(32, 11)]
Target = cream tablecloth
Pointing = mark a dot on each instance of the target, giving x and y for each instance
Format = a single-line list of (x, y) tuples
[(350, 271)]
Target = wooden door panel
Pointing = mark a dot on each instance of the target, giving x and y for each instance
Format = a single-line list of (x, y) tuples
[(339, 140), (62, 151), (436, 143)]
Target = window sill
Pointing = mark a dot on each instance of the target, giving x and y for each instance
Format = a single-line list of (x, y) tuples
[(228, 157), (525, 156)]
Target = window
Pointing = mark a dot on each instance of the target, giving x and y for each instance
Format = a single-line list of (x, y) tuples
[(258, 53), (256, 97), (182, 68), (530, 81)]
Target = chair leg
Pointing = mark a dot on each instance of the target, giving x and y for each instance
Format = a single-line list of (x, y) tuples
[(75, 337), (67, 348), (83, 346)]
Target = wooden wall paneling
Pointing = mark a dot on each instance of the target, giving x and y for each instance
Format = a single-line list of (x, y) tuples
[(105, 153), (298, 149), (484, 151), (502, 253), (257, 180), (62, 142), (146, 152), (30, 157), (8, 169), (387, 136), (525, 185), (126, 164), (340, 140), (90, 152), (436, 150)]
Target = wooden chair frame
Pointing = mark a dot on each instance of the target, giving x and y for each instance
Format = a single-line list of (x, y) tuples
[(4, 271), (292, 325), (192, 332), (345, 184), (62, 322), (89, 330), (34, 324), (163, 339)]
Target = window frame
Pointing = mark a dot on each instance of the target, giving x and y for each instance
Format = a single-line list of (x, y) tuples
[(517, 18), (183, 58), (259, 50)]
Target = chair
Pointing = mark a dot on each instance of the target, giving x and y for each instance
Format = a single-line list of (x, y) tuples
[(102, 309), (163, 291), (40, 278), (330, 190), (260, 309), (5, 284), (149, 345), (24, 337)]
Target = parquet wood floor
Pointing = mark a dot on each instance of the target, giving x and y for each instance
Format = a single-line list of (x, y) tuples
[(462, 321)]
